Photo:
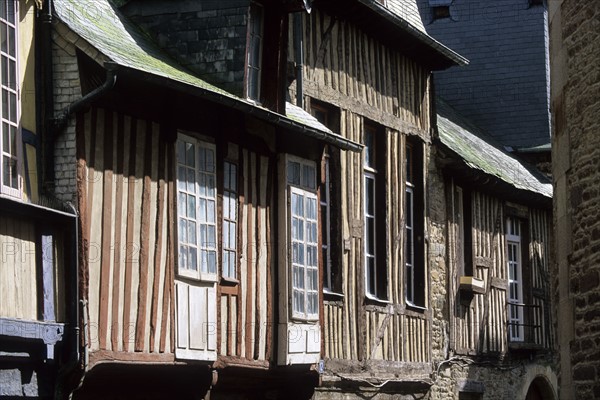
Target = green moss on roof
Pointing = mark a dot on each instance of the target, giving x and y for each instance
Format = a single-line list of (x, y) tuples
[(479, 151), (100, 23)]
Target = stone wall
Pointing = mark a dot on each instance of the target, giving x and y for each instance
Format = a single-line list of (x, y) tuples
[(575, 51), (208, 37)]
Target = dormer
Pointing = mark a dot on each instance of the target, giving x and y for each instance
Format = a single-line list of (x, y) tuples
[(232, 44)]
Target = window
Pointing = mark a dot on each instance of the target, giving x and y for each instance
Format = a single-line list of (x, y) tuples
[(374, 215), (196, 208), (10, 144), (301, 178), (326, 226), (230, 218), (515, 280), (462, 216), (440, 8), (329, 198), (255, 44), (414, 227)]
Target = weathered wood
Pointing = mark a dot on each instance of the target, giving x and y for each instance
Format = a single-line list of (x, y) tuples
[(116, 287), (270, 264), (250, 257), (106, 230), (144, 243), (129, 245), (107, 356), (240, 244), (158, 245)]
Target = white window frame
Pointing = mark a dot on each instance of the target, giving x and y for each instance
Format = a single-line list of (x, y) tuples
[(255, 47), (305, 188), (409, 263), (199, 273), (230, 220), (515, 280), (14, 152), (369, 174)]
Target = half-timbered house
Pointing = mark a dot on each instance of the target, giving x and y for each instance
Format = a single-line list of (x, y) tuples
[(37, 232), (499, 331), (199, 228), (436, 257), (364, 67)]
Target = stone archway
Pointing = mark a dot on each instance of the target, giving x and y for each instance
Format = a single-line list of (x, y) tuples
[(540, 389)]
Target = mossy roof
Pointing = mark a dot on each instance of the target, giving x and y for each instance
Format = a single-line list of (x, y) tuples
[(480, 152), (101, 24)]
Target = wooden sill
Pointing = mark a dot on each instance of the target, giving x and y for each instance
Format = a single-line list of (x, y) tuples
[(472, 284)]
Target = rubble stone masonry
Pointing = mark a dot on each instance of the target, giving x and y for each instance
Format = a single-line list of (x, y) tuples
[(575, 66)]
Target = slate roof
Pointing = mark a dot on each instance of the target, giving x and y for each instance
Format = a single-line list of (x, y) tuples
[(112, 34), (480, 152), (405, 15), (408, 11)]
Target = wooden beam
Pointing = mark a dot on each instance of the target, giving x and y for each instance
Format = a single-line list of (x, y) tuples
[(107, 219)]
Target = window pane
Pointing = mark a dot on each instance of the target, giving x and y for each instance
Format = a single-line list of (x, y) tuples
[(5, 141), (232, 208), (13, 107), (308, 176), (193, 258), (211, 238), (202, 209), (183, 230), (293, 173), (370, 194), (298, 301), (212, 262), (226, 264), (6, 171), (226, 235), (11, 40), (232, 231), (5, 104), (183, 257), (191, 181), (4, 37), (295, 255), (191, 232), (13, 140), (191, 206), (371, 236), (181, 174), (211, 211), (211, 186), (180, 153), (202, 184), (311, 208), (12, 76), (202, 235), (4, 66), (190, 155), (203, 261), (313, 303), (210, 161), (233, 178)]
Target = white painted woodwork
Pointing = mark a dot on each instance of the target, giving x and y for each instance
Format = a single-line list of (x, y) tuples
[(196, 323)]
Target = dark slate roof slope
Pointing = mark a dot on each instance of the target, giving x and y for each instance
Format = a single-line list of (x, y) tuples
[(481, 152), (100, 24)]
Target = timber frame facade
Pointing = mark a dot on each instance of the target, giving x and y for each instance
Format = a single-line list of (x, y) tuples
[(270, 203)]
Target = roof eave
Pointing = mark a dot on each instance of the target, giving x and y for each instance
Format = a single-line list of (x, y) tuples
[(245, 107), (492, 183)]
